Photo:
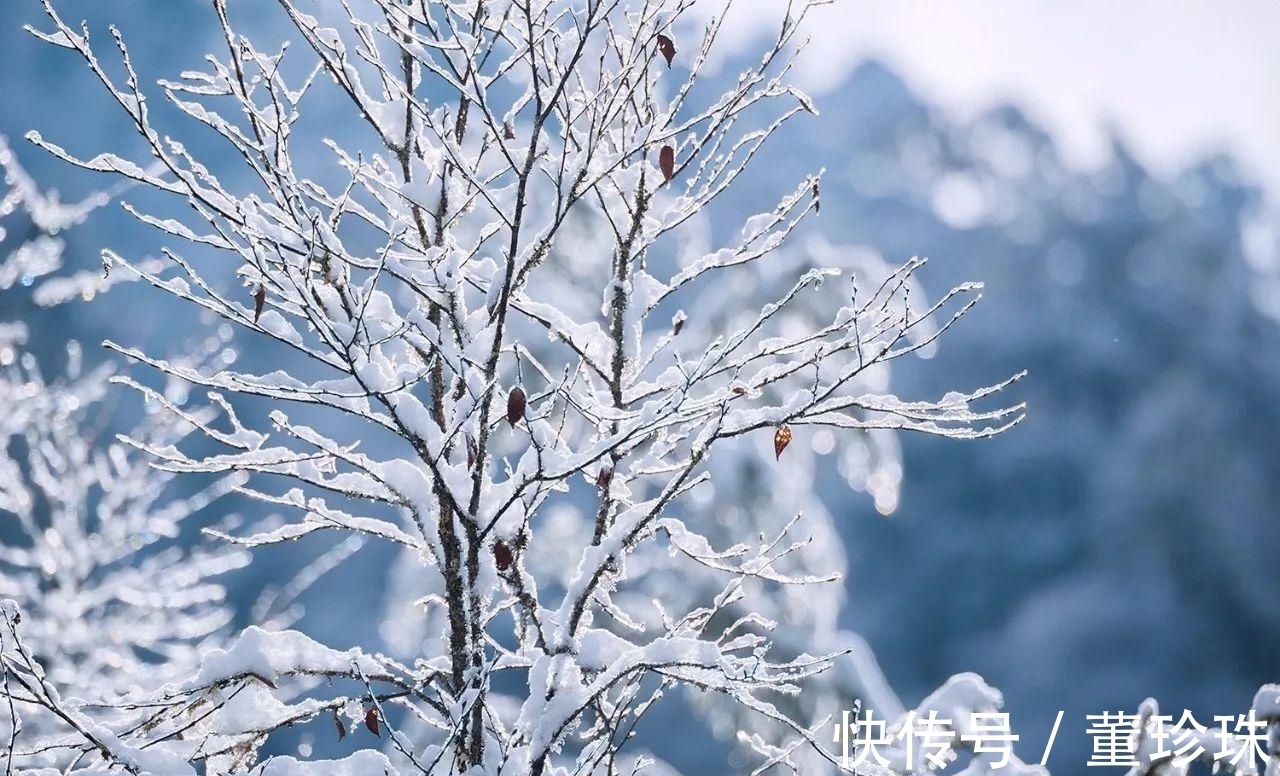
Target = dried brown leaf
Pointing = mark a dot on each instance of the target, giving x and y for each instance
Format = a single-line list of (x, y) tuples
[(667, 162), (516, 402), (781, 438), (667, 48)]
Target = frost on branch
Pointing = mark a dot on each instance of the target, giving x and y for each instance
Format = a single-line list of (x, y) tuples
[(102, 597), (31, 222), (509, 347)]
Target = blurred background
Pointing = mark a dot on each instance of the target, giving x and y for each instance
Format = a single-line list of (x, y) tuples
[(1108, 171)]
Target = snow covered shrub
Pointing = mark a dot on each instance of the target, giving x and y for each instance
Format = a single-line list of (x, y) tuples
[(523, 354)]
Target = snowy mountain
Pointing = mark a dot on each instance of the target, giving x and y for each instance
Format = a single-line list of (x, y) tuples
[(1121, 542)]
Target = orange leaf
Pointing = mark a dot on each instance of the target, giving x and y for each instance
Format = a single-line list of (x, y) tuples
[(781, 438), (371, 721)]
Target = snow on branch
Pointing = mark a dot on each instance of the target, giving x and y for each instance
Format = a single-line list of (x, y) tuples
[(501, 351), (103, 595)]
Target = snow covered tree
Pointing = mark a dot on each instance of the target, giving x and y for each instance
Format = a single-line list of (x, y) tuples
[(510, 344), (94, 567)]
